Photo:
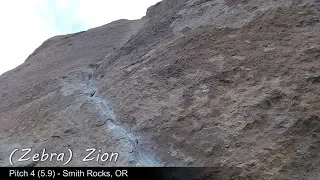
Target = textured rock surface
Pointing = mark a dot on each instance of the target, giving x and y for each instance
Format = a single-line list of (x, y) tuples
[(227, 84)]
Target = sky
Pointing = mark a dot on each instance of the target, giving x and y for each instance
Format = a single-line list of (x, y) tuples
[(25, 24)]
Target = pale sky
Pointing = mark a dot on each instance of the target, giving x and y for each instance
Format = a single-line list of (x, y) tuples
[(25, 24)]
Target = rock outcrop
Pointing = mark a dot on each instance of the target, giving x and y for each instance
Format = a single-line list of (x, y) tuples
[(232, 85)]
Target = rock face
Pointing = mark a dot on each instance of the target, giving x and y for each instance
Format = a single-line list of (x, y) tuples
[(232, 85)]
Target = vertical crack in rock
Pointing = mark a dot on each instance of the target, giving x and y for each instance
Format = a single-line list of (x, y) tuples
[(118, 130)]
